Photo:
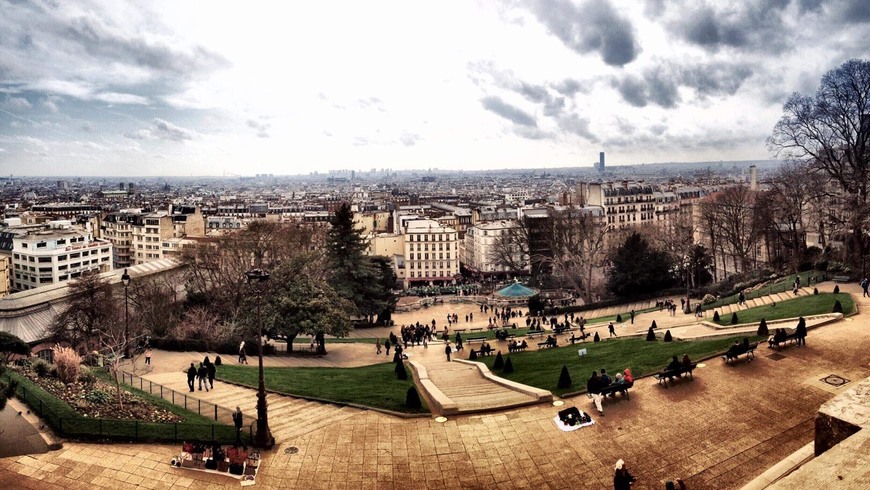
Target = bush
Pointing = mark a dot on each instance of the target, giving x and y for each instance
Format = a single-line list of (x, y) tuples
[(99, 397), (838, 307), (653, 325), (86, 377), (836, 289), (40, 367), (217, 361), (716, 316), (734, 319), (708, 299), (762, 329), (650, 335), (815, 290), (596, 338), (412, 399), (508, 366), (67, 362), (618, 318), (499, 362), (472, 356), (564, 378), (401, 373), (184, 345), (668, 337)]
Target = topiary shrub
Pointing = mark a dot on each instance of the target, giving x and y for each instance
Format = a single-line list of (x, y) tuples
[(734, 319), (217, 361), (668, 337), (401, 373), (472, 356), (564, 378), (653, 325), (596, 338), (499, 362), (40, 367), (650, 335), (837, 289), (618, 318), (412, 399), (762, 329), (815, 290), (508, 366), (716, 316), (67, 362), (838, 307)]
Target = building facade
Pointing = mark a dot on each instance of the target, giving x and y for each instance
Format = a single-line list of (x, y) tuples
[(431, 253)]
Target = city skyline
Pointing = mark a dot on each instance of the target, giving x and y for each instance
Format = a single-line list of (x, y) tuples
[(96, 88)]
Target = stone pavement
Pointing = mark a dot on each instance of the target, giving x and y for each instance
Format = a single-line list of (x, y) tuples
[(717, 431)]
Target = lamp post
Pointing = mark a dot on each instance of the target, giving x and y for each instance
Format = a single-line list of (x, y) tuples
[(263, 438), (125, 280)]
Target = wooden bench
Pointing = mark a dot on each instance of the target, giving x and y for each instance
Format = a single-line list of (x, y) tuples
[(613, 389), (545, 345), (536, 333), (788, 338), (487, 352), (560, 330), (474, 339), (675, 373), (841, 278), (517, 348), (478, 329), (732, 355), (459, 330)]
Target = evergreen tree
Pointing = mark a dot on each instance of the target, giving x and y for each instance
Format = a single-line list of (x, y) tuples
[(499, 361), (716, 316), (638, 267), (412, 399), (564, 378), (653, 325), (838, 307), (836, 289), (650, 335), (618, 318), (762, 329), (668, 337), (508, 366), (401, 373), (596, 338), (734, 319), (472, 356)]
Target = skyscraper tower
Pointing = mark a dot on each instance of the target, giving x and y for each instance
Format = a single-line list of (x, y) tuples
[(601, 161)]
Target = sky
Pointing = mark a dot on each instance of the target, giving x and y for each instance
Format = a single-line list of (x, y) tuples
[(169, 88)]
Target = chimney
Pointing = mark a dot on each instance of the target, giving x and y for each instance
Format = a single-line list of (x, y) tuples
[(753, 178)]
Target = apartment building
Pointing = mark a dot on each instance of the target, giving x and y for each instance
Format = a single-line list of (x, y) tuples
[(431, 252), (5, 274), (57, 252), (625, 204), (481, 244), (139, 237)]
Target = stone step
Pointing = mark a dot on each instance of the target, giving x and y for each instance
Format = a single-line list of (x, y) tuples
[(289, 434)]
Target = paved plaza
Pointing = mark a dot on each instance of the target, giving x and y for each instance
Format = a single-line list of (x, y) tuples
[(718, 431)]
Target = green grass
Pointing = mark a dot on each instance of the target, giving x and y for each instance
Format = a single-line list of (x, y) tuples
[(542, 368), (373, 386), (815, 304), (778, 286), (626, 317), (65, 420)]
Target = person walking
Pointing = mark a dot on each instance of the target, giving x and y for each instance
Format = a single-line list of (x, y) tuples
[(191, 376), (242, 356), (238, 421), (593, 386), (202, 374), (622, 479), (611, 330), (378, 345), (458, 341), (211, 370), (447, 350), (387, 346), (865, 284), (632, 317), (148, 356)]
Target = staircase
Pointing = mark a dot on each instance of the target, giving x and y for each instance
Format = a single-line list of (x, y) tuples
[(289, 417)]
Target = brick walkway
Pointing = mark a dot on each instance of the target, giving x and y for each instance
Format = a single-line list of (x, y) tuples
[(718, 431)]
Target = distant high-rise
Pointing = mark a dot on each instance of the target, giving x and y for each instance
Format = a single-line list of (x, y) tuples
[(601, 161)]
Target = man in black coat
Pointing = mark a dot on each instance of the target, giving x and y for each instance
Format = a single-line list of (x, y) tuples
[(191, 376), (212, 371), (593, 386)]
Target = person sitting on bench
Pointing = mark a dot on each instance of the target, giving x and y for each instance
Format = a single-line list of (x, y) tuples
[(524, 345), (628, 376), (551, 341), (687, 363), (779, 336), (674, 366), (735, 350), (619, 379), (605, 379)]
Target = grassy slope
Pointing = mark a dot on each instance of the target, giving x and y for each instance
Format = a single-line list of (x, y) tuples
[(815, 304), (373, 386), (542, 368)]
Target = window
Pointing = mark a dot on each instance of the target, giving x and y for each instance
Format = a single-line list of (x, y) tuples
[(16, 256), (23, 245), (75, 264), (40, 245), (61, 241), (75, 255), (45, 269), (63, 277), (62, 267), (61, 257), (45, 259), (44, 280)]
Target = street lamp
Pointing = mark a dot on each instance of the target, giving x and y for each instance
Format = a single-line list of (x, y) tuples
[(125, 280), (263, 438)]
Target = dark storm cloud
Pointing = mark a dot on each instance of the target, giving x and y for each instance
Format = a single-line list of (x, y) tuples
[(754, 25), (591, 26), (633, 90), (507, 111), (855, 11), (660, 85)]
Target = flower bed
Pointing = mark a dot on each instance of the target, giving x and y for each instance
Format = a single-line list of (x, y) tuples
[(100, 400)]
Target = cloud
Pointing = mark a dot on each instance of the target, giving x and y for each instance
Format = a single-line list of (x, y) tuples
[(756, 25), (659, 85), (591, 26), (167, 130), (50, 104), (140, 134), (16, 104), (119, 98), (577, 126), (262, 128), (855, 11), (511, 113), (409, 139)]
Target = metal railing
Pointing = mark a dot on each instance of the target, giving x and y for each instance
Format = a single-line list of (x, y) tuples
[(193, 404)]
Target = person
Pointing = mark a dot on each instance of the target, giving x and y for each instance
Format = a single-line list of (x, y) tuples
[(865, 284), (628, 376), (202, 374), (734, 350), (458, 341), (593, 386), (619, 379), (611, 330), (148, 356), (741, 298), (687, 363), (242, 355), (387, 346), (605, 379), (678, 485), (622, 479), (378, 345), (674, 365), (212, 371), (698, 312), (632, 316), (447, 350), (800, 332), (191, 376), (238, 421)]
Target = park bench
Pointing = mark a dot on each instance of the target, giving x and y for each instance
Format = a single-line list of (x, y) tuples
[(487, 352), (535, 333), (477, 329), (474, 339), (516, 348), (582, 338), (732, 355), (459, 330), (841, 278), (545, 345), (560, 330), (675, 373), (613, 389), (788, 338)]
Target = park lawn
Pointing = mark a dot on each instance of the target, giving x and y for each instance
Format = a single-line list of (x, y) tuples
[(372, 386), (626, 317), (780, 285), (541, 368), (815, 304)]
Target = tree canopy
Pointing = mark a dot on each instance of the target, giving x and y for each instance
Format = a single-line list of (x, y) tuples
[(11, 345), (636, 268)]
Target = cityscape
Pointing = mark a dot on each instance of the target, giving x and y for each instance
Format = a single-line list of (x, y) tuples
[(565, 244)]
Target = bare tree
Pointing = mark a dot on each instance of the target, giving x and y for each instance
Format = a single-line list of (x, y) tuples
[(577, 239), (831, 132), (729, 216), (676, 237), (91, 309), (510, 249)]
